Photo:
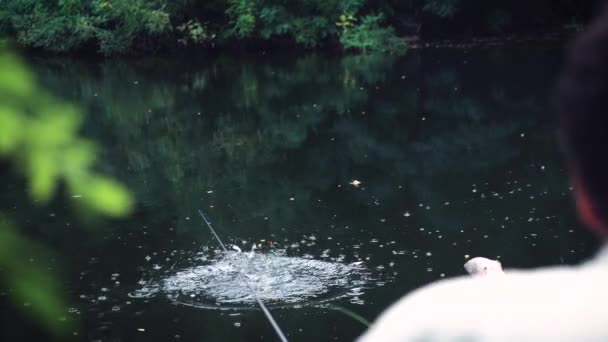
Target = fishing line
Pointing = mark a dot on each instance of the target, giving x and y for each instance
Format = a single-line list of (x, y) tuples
[(274, 324)]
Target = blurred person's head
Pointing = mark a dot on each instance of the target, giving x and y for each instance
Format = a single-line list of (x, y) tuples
[(582, 101)]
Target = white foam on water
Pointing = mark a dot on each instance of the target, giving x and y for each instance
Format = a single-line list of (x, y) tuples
[(276, 279)]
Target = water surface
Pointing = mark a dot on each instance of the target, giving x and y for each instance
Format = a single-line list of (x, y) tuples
[(401, 166)]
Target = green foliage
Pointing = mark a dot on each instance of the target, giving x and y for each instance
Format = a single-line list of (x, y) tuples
[(242, 18), (69, 24), (39, 135), (123, 26), (370, 36), (194, 33), (441, 8), (33, 287), (345, 21), (308, 23), (121, 22)]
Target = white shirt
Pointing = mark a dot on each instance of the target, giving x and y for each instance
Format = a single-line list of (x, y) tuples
[(563, 303)]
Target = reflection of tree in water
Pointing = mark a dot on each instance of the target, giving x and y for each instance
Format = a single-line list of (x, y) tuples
[(260, 133)]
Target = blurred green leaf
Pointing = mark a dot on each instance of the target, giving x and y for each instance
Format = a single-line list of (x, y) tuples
[(15, 80), (56, 125), (40, 135), (35, 289), (10, 130), (78, 158), (43, 174), (107, 196)]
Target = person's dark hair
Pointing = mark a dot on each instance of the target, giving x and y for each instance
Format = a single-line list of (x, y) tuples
[(582, 102)]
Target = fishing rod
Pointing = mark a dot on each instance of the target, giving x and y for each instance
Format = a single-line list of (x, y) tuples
[(274, 324)]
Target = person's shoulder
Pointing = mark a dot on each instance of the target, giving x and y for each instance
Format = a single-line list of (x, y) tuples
[(425, 312), (461, 290), (459, 305)]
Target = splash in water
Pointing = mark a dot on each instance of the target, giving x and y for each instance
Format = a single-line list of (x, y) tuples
[(277, 279)]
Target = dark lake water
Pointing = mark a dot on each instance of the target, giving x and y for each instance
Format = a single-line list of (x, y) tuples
[(402, 166)]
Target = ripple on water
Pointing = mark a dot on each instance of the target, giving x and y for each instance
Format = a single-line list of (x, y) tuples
[(277, 280)]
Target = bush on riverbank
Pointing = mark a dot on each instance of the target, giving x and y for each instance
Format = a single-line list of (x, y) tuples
[(141, 26)]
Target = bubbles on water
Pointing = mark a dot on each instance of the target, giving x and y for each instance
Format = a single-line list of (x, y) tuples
[(277, 279)]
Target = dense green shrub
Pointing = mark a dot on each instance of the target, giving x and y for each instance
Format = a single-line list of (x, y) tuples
[(371, 36), (69, 24), (242, 18), (122, 26), (308, 22)]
